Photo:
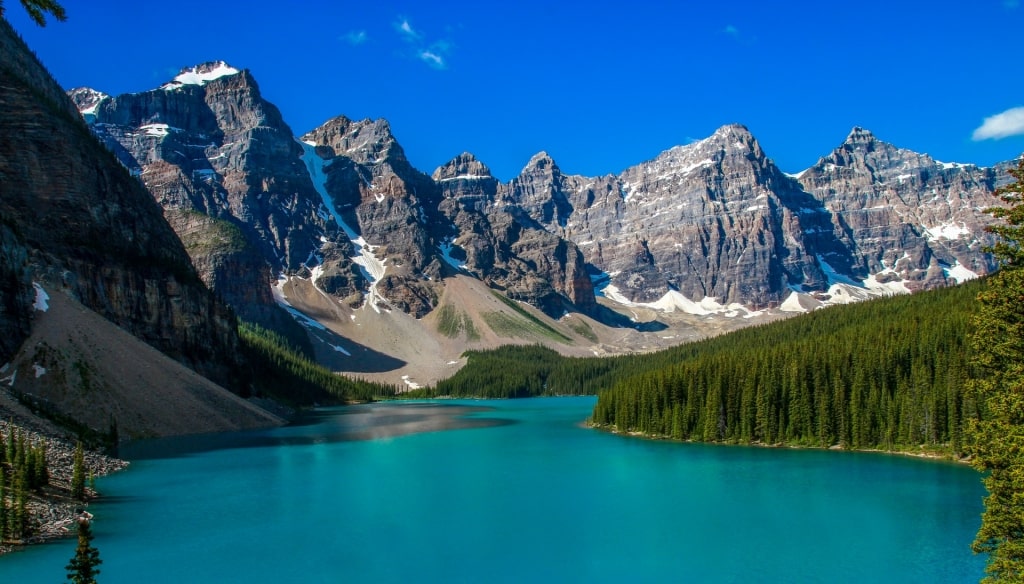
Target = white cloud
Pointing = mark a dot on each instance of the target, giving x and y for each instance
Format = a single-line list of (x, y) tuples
[(1011, 4), (731, 30), (355, 37), (1002, 125), (435, 54), (433, 59), (404, 27)]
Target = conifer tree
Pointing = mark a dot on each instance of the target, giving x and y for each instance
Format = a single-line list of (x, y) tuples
[(82, 569), (996, 436), (20, 524), (3, 503), (38, 9), (11, 444), (78, 474)]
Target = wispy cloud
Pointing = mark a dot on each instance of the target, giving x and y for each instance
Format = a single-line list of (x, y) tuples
[(1011, 4), (433, 59), (1001, 125), (731, 31), (355, 37), (435, 54), (405, 29)]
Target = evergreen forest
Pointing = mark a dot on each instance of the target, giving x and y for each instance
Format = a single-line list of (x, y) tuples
[(282, 372), (888, 374)]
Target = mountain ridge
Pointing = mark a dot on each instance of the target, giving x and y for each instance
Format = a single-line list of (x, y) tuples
[(709, 229)]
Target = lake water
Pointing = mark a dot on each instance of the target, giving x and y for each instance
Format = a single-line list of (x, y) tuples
[(515, 491)]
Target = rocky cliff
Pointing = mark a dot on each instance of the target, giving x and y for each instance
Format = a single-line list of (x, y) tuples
[(712, 222), (717, 220), (227, 171), (73, 221), (383, 200), (901, 215), (505, 246)]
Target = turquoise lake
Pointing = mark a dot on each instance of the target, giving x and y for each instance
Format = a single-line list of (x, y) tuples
[(515, 491)]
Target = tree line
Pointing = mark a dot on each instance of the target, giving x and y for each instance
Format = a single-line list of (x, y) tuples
[(888, 374), (23, 469), (282, 372)]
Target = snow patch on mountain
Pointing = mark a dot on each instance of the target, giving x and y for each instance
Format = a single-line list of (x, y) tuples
[(673, 301), (282, 300), (201, 75), (948, 230), (373, 269), (446, 253), (959, 273), (42, 298)]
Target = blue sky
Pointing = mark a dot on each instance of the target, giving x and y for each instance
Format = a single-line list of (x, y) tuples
[(599, 86)]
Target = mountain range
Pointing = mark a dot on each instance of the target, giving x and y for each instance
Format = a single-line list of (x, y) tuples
[(204, 204)]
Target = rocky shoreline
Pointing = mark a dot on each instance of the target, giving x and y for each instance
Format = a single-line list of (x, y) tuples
[(53, 512)]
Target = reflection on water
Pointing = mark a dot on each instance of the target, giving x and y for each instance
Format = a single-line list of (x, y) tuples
[(340, 424)]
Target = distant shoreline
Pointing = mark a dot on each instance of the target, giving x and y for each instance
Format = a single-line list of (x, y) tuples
[(923, 454)]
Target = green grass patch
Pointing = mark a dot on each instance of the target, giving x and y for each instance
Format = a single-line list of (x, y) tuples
[(515, 328), (580, 327), (449, 321)]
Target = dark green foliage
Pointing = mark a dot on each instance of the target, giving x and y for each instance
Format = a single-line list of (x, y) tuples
[(23, 468), (82, 569), (281, 372), (885, 374), (530, 370), (3, 503), (38, 9), (509, 371), (78, 474), (996, 435)]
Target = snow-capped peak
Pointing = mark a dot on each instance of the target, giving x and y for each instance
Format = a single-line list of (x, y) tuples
[(201, 74), (87, 99)]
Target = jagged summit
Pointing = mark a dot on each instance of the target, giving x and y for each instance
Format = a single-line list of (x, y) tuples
[(860, 135), (366, 141), (540, 161), (201, 74), (86, 99), (465, 166)]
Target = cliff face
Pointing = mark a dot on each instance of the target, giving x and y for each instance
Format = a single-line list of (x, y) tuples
[(207, 144), (505, 246), (903, 214), (75, 221), (712, 219), (718, 219), (382, 199)]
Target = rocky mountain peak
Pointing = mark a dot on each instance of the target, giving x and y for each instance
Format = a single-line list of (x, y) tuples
[(200, 74), (540, 161), (878, 161), (86, 99), (365, 142), (859, 135), (465, 166)]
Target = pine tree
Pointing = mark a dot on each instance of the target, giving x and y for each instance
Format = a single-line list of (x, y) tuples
[(82, 567), (38, 9), (20, 520), (78, 474), (3, 503), (996, 437)]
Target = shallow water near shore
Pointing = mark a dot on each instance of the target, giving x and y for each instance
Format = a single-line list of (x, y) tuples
[(514, 491)]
